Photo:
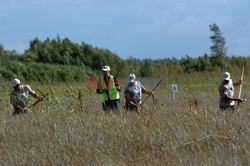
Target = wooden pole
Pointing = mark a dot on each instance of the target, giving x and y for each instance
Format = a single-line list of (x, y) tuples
[(241, 79)]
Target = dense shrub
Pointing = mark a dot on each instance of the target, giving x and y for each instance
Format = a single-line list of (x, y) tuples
[(43, 72)]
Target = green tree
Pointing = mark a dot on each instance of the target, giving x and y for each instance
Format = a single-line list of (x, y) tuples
[(189, 64), (1, 50), (147, 68), (218, 48), (204, 63)]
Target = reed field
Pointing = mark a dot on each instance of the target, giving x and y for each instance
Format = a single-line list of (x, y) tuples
[(70, 128)]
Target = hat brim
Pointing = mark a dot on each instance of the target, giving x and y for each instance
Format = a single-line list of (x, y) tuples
[(14, 85), (105, 70), (132, 80)]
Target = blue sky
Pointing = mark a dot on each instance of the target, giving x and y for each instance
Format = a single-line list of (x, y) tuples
[(139, 28)]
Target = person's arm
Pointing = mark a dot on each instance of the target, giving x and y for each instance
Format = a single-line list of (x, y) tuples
[(227, 97), (235, 99), (240, 82), (145, 91), (17, 107), (117, 84), (33, 93), (99, 90), (132, 103), (128, 98), (37, 97)]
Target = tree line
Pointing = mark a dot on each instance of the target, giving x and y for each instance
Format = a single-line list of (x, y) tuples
[(63, 60)]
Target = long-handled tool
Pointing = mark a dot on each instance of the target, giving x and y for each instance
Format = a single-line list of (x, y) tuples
[(36, 102), (41, 99), (152, 90), (241, 79)]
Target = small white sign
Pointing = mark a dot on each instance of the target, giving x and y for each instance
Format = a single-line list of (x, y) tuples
[(174, 88)]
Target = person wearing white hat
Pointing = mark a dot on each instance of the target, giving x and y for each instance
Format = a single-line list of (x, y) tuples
[(109, 87), (133, 93), (226, 91), (19, 96)]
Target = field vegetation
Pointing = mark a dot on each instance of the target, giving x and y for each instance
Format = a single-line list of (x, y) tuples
[(70, 128)]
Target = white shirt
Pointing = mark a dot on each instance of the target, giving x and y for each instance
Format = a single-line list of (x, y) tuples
[(134, 90), (21, 95)]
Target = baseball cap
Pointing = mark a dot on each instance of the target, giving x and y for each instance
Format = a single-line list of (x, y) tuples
[(106, 68), (226, 76), (15, 82), (131, 77)]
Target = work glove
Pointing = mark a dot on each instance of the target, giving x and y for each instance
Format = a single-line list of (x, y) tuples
[(242, 100), (119, 88)]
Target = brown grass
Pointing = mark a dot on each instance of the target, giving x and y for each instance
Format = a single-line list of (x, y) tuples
[(70, 130)]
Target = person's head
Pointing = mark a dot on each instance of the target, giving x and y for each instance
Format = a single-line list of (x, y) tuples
[(131, 78), (226, 77), (15, 84), (106, 71)]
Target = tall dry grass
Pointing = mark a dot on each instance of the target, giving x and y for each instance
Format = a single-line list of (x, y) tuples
[(69, 128)]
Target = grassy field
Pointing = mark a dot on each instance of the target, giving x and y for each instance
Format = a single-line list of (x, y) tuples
[(69, 128)]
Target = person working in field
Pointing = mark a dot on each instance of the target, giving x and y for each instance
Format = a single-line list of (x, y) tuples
[(108, 87), (19, 96), (133, 93), (226, 91)]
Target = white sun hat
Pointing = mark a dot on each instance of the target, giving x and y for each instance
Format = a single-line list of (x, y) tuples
[(131, 77), (15, 82), (226, 76), (106, 68)]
